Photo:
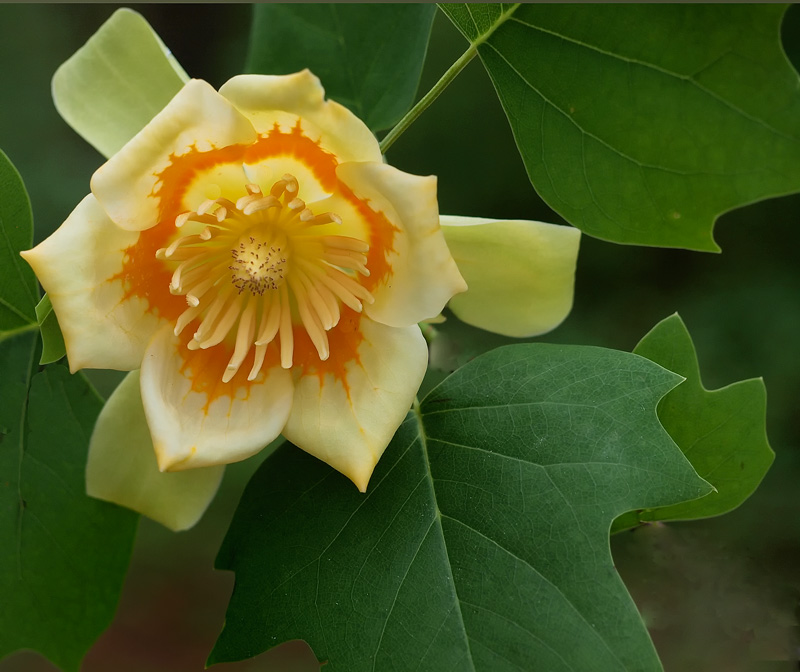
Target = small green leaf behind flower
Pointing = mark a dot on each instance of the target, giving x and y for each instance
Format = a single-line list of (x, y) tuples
[(53, 347), (721, 432)]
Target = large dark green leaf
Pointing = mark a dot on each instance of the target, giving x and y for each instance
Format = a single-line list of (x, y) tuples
[(482, 541), (641, 123), (63, 556), (18, 290), (722, 433), (369, 57)]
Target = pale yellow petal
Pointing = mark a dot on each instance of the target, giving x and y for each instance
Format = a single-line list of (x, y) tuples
[(521, 274), (195, 419), (423, 274), (349, 422), (117, 82), (283, 99), (122, 466), (76, 266), (196, 119)]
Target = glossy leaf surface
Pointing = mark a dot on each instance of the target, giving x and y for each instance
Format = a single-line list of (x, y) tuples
[(482, 541), (642, 123), (721, 432), (64, 555)]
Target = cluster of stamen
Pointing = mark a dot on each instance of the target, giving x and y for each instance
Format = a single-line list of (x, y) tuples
[(256, 267)]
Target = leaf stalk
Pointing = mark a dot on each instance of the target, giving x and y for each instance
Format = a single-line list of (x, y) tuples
[(424, 102)]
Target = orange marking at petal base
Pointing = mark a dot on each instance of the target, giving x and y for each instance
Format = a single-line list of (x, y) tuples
[(142, 274), (344, 339), (299, 146), (381, 239), (204, 368), (145, 276)]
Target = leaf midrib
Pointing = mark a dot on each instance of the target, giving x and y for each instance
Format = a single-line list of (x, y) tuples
[(418, 416), (482, 37), (21, 447), (438, 519)]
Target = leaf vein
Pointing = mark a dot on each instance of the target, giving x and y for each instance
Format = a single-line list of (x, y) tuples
[(541, 576), (652, 66)]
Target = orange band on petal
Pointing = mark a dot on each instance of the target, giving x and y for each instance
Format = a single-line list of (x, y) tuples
[(205, 368), (381, 242), (248, 282), (296, 145), (142, 274), (345, 339)]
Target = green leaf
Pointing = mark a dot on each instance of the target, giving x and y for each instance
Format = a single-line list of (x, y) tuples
[(117, 82), (18, 289), (641, 123), (482, 541), (64, 555), (722, 433), (369, 57), (53, 347)]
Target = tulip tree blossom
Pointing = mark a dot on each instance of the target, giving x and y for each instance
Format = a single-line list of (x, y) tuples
[(260, 270)]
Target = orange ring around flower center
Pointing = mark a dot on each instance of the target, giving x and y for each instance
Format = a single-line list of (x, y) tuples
[(146, 277)]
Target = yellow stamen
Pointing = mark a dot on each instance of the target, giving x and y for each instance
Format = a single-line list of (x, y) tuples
[(257, 263)]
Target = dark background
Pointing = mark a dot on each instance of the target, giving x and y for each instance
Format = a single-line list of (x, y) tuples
[(721, 594)]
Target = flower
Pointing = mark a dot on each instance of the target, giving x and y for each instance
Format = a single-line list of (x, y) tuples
[(253, 255), (249, 257)]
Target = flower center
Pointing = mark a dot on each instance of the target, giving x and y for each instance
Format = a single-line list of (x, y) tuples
[(258, 264), (256, 268)]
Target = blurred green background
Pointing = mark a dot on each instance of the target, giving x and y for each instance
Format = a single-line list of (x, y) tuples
[(721, 594)]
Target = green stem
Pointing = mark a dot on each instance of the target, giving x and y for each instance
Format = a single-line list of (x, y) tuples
[(441, 85), (428, 98)]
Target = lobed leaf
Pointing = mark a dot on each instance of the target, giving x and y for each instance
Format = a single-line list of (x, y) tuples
[(64, 555), (482, 541), (642, 123), (19, 291), (369, 57), (722, 433)]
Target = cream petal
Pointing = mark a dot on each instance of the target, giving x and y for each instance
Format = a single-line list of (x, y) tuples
[(282, 99), (423, 274), (521, 274), (196, 119), (350, 427), (122, 468), (225, 423), (101, 327), (117, 82)]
